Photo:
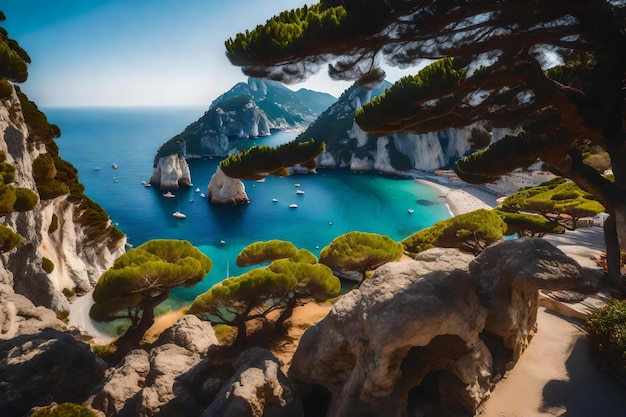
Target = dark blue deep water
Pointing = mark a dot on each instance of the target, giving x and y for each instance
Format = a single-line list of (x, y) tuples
[(335, 201)]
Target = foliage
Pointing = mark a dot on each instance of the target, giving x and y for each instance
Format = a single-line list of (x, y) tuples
[(552, 74), (470, 232), (314, 281), (237, 300), (261, 161), (25, 199), (259, 252), (528, 225), (47, 265), (286, 31), (39, 129), (607, 335), (65, 410), (6, 89), (68, 292), (558, 200), (54, 224), (7, 172), (360, 251), (8, 239), (287, 281), (141, 279)]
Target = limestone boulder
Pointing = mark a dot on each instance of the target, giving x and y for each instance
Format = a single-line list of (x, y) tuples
[(47, 367), (190, 333), (161, 394), (118, 394), (409, 321), (19, 316), (226, 190), (258, 388), (508, 278), (430, 336)]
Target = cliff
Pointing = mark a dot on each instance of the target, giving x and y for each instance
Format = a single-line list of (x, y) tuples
[(67, 241), (349, 147), (171, 172), (247, 110)]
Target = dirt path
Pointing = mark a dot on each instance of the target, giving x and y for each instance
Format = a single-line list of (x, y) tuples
[(555, 377)]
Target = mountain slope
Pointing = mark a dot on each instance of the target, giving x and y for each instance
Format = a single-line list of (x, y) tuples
[(249, 109)]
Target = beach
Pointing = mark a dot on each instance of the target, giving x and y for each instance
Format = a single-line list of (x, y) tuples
[(462, 198)]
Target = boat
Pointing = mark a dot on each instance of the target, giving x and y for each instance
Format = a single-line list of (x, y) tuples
[(114, 166), (179, 215), (297, 184), (169, 195), (293, 206), (274, 200), (202, 195), (411, 211), (96, 169), (299, 192), (222, 242), (261, 180), (197, 190), (146, 184)]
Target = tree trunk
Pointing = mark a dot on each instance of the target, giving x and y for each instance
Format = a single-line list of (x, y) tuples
[(131, 339), (241, 333), (279, 326)]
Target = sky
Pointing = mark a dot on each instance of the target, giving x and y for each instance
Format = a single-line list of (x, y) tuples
[(138, 52)]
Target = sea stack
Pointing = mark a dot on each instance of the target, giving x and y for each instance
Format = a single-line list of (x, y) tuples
[(226, 190)]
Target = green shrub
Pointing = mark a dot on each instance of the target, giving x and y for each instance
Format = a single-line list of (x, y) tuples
[(47, 265), (7, 172), (8, 239), (65, 410), (7, 199), (44, 169), (226, 335), (25, 199), (52, 189), (103, 351), (6, 89), (63, 315), (54, 224), (607, 336), (68, 292)]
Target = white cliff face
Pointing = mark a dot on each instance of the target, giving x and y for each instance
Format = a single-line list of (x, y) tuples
[(171, 172), (78, 261), (226, 190)]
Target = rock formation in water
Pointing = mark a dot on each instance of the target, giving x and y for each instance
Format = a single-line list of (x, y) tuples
[(444, 323), (226, 190), (248, 110), (67, 232), (171, 172)]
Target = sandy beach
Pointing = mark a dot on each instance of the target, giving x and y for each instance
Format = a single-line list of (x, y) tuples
[(461, 198)]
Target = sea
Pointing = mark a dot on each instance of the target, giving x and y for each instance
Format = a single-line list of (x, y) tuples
[(334, 201)]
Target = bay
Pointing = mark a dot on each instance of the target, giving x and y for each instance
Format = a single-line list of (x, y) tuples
[(334, 201)]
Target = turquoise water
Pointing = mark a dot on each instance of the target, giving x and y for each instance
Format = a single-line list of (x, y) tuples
[(335, 201)]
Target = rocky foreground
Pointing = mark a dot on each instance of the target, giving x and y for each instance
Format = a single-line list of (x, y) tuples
[(430, 336)]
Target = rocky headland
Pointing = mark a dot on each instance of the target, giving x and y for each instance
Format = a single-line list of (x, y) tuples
[(55, 232)]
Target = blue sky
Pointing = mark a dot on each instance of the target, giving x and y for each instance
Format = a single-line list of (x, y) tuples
[(136, 52)]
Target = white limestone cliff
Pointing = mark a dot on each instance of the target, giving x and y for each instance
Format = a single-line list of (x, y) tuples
[(171, 172), (78, 261), (226, 190)]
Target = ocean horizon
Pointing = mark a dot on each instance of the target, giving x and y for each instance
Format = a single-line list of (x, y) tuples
[(334, 202)]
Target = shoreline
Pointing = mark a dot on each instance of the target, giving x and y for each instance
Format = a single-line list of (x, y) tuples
[(461, 198)]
